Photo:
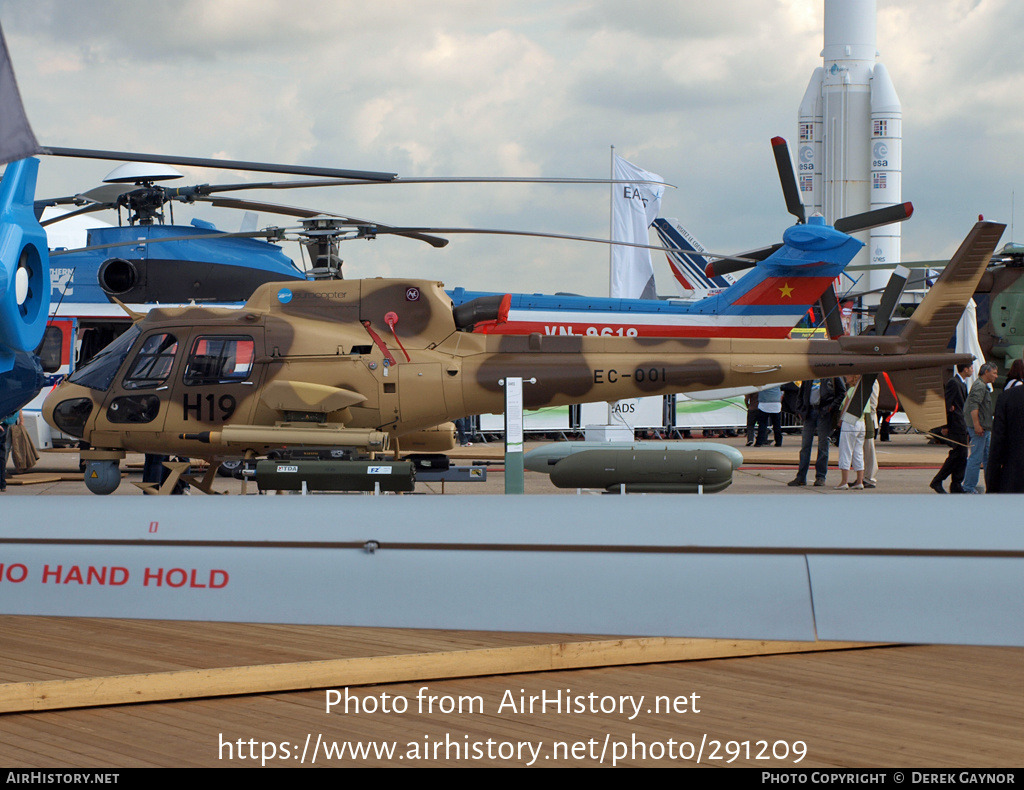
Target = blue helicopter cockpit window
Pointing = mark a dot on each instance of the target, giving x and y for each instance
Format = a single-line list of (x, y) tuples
[(219, 360), (153, 362), (99, 372)]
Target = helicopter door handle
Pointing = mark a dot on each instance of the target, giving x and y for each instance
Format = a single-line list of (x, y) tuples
[(164, 387)]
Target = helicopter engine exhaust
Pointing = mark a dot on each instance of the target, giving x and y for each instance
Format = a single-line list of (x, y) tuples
[(117, 276)]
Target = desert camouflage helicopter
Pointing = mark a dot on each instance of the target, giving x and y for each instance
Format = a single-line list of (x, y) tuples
[(382, 364)]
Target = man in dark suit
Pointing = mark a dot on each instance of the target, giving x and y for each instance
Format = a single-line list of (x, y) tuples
[(818, 400), (1004, 472), (956, 432)]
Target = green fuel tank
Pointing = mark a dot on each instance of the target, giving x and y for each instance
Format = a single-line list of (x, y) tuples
[(543, 458), (645, 471)]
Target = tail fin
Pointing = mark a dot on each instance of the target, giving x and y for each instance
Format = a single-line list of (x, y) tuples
[(685, 260), (934, 321), (791, 279)]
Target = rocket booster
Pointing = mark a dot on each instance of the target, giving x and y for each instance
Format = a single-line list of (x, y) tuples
[(849, 155)]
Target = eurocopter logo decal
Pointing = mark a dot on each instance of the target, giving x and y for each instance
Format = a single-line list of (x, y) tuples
[(284, 296)]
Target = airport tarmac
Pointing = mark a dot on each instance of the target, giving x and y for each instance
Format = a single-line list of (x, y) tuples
[(907, 464)]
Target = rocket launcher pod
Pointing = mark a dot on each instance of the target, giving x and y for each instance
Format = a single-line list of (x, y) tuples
[(335, 475)]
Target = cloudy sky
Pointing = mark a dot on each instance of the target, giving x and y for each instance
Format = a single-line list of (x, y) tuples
[(685, 88)]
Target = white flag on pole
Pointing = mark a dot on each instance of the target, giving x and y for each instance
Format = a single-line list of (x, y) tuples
[(634, 208)]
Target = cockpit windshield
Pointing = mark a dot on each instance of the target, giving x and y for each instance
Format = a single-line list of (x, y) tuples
[(99, 372)]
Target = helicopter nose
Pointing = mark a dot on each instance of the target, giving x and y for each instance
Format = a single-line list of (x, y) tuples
[(68, 408)]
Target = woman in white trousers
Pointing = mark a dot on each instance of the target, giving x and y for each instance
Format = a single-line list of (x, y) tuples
[(851, 440)]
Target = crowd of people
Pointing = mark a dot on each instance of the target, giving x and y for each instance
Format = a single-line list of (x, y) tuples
[(983, 432), (825, 405)]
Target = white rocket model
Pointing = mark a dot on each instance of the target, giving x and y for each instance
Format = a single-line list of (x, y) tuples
[(850, 134)]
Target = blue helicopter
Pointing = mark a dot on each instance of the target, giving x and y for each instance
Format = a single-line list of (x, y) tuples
[(142, 261)]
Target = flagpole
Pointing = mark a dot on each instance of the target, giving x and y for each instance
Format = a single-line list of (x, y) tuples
[(611, 220), (611, 251)]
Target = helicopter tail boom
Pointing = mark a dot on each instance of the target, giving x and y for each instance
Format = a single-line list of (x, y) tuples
[(934, 322)]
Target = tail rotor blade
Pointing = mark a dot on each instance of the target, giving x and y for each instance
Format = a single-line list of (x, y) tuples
[(745, 260), (890, 298), (874, 219), (717, 268), (787, 175), (830, 309), (859, 400)]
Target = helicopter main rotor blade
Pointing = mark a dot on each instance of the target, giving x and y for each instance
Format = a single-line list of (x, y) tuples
[(535, 234), (210, 189), (256, 234), (787, 175), (869, 267), (368, 230), (104, 193), (90, 209), (221, 164), (479, 180), (295, 211), (257, 205), (874, 219)]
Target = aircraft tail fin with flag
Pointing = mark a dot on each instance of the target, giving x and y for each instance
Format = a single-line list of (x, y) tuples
[(933, 323), (686, 258), (787, 283)]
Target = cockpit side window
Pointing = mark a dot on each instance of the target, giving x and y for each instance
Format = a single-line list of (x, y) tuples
[(153, 362), (219, 360), (99, 372)]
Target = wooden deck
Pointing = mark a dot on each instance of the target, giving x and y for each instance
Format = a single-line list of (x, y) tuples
[(913, 706)]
